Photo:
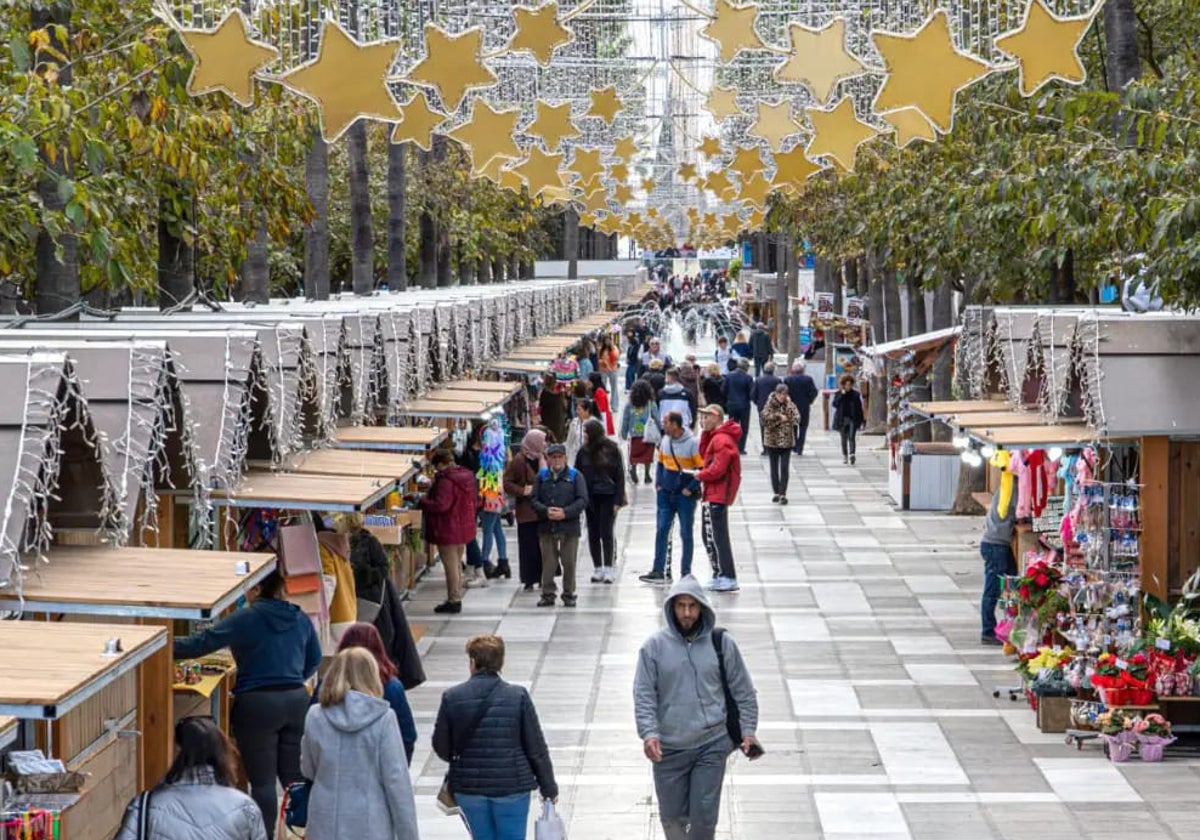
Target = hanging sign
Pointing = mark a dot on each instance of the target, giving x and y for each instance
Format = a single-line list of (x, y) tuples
[(825, 306), (854, 310)]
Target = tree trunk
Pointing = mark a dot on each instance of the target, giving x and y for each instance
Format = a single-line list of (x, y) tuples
[(848, 287), (466, 269), (362, 262), (917, 324), (316, 235), (942, 378), (1062, 280), (445, 273), (1122, 62), (498, 267), (397, 229), (970, 480), (176, 259), (877, 410), (483, 269), (893, 326), (57, 285), (514, 268), (571, 241), (256, 270), (528, 271)]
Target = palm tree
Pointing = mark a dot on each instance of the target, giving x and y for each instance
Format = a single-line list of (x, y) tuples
[(362, 247), (316, 235), (397, 228)]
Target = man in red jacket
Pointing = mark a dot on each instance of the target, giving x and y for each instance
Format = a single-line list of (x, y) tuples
[(721, 476), (449, 509)]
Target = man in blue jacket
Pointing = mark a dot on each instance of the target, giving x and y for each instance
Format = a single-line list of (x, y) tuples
[(764, 386), (803, 391), (559, 497), (681, 706), (739, 390)]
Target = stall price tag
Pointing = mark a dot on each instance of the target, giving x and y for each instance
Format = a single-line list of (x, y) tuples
[(1122, 665), (1163, 644)]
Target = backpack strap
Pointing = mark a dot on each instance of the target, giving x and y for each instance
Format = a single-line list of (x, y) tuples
[(718, 640)]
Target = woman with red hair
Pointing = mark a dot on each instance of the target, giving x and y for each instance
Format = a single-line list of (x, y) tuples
[(363, 635)]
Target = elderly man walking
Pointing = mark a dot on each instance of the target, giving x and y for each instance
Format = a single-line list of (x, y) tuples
[(694, 703), (803, 391), (559, 499)]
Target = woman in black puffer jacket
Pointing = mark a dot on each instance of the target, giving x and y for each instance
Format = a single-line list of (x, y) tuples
[(488, 732)]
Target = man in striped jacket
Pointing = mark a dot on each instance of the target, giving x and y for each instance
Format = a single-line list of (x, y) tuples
[(678, 489)]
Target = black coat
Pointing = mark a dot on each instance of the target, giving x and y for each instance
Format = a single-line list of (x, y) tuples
[(392, 624), (764, 386), (760, 346), (803, 392), (713, 388), (738, 388), (848, 406), (606, 482), (507, 754), (567, 491)]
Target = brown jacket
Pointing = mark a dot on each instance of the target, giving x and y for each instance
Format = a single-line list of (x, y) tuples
[(779, 418), (520, 473)]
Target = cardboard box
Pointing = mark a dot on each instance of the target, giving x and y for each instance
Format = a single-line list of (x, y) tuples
[(1054, 714)]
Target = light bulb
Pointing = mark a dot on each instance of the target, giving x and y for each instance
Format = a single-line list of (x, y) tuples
[(987, 451), (972, 458), (1054, 453), (960, 441)]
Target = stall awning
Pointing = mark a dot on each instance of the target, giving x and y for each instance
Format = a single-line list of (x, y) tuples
[(1031, 437), (509, 365), (914, 343), (359, 463), (946, 407), (50, 668), (389, 438), (462, 406), (1005, 419), (140, 582), (297, 491), (498, 392)]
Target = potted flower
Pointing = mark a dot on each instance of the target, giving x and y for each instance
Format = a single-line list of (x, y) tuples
[(1153, 735), (1107, 679), (1136, 679), (1116, 728)]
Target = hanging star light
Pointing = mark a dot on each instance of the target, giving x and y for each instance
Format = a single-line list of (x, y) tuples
[(910, 126), (774, 123), (652, 212), (618, 172), (686, 172), (710, 147), (709, 220), (587, 219), (552, 195), (226, 59), (606, 104), (722, 103), (452, 64), (418, 123), (754, 190), (540, 171), (819, 59), (746, 161), (539, 32), (552, 124), (837, 133), (596, 200), (488, 135), (1046, 46), (755, 219), (586, 164), (732, 28), (625, 148), (347, 80), (648, 185), (717, 182), (793, 169), (926, 71), (622, 194)]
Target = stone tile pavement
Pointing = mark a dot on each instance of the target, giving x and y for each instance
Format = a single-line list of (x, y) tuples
[(860, 625)]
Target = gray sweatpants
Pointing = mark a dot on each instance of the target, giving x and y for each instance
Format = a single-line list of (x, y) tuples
[(688, 785)]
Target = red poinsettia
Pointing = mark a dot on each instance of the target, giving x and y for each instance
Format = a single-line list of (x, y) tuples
[(1039, 580)]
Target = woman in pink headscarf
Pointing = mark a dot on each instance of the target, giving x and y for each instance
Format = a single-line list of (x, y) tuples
[(519, 477)]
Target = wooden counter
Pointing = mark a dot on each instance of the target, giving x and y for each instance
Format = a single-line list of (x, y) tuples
[(389, 438), (298, 491), (360, 463)]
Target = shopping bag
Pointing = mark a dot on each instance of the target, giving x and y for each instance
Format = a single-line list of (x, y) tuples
[(549, 825)]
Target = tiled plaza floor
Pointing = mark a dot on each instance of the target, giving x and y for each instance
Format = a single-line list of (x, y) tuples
[(860, 625)]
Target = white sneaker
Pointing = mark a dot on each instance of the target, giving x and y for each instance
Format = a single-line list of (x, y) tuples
[(475, 579), (598, 575), (725, 585), (610, 574)]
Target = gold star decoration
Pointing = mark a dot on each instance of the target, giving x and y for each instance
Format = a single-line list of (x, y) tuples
[(1046, 46), (625, 149), (686, 172), (552, 124), (754, 220), (555, 195), (732, 28), (754, 190), (837, 133), (709, 220), (452, 64), (718, 182), (910, 125), (710, 147), (586, 164), (539, 32), (226, 59), (591, 185), (587, 219), (622, 194), (648, 185), (652, 213), (347, 80), (418, 123), (819, 58), (488, 134), (634, 219), (792, 169), (774, 123), (540, 172), (746, 161), (722, 103), (926, 71), (605, 104), (596, 200), (619, 172)]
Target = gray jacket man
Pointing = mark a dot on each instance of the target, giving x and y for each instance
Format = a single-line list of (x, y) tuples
[(679, 703)]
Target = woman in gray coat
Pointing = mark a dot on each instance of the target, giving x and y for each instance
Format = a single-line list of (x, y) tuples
[(353, 754), (198, 799)]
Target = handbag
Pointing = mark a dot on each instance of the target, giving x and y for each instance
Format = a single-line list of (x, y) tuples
[(549, 825), (445, 796), (295, 805), (652, 432), (733, 718)]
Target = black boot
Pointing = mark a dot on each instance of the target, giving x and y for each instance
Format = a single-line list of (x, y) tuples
[(633, 474), (500, 570), (648, 478)]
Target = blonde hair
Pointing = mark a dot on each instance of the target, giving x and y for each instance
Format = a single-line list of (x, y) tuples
[(348, 523), (354, 669)]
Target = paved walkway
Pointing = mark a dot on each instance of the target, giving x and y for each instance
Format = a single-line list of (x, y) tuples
[(860, 626)]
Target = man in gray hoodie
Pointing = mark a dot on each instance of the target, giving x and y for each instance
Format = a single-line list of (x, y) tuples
[(681, 706)]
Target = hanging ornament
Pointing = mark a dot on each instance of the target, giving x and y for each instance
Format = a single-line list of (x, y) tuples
[(619, 172), (539, 32), (710, 147), (1046, 46), (540, 172), (552, 124), (625, 149), (722, 103), (622, 194), (837, 133), (819, 59), (774, 123), (732, 28), (606, 104), (686, 172), (418, 122), (347, 80), (746, 161), (754, 190), (792, 170), (488, 135), (226, 59), (452, 64), (910, 126)]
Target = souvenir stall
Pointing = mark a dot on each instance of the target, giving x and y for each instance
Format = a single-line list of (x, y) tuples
[(841, 338)]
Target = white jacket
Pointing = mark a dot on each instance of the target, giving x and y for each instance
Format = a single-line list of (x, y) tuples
[(196, 808)]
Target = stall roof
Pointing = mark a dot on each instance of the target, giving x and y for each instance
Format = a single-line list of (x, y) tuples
[(389, 438), (1001, 419), (354, 462), (518, 366), (1029, 437), (465, 391), (297, 491), (938, 408), (924, 341), (464, 406), (50, 668), (141, 582)]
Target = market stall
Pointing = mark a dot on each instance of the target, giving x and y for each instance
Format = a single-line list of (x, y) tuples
[(417, 439)]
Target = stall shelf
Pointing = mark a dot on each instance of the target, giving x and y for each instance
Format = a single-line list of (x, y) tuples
[(360, 463), (389, 438), (296, 491)]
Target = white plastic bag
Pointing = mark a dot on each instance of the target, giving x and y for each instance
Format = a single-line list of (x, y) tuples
[(549, 825)]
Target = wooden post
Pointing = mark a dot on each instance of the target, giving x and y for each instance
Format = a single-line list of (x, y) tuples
[(156, 711), (1155, 469)]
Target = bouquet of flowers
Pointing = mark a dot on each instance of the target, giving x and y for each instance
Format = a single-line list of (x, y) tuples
[(1153, 734), (1035, 586)]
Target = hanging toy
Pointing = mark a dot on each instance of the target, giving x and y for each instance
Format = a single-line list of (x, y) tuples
[(1001, 460), (493, 455)]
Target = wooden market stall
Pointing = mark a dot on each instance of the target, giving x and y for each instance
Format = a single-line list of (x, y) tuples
[(87, 704), (299, 491), (417, 439)]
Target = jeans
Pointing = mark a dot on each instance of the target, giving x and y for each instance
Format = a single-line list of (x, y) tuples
[(780, 459), (758, 368), (672, 503), (610, 385), (714, 528), (559, 549), (688, 785), (601, 517), (493, 529), (801, 433), (849, 433), (473, 554), (741, 416), (495, 817), (267, 727), (630, 376), (997, 560)]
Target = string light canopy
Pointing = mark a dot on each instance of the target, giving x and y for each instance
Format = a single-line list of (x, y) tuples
[(642, 83)]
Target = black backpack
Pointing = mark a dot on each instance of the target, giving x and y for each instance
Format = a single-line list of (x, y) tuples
[(733, 719)]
